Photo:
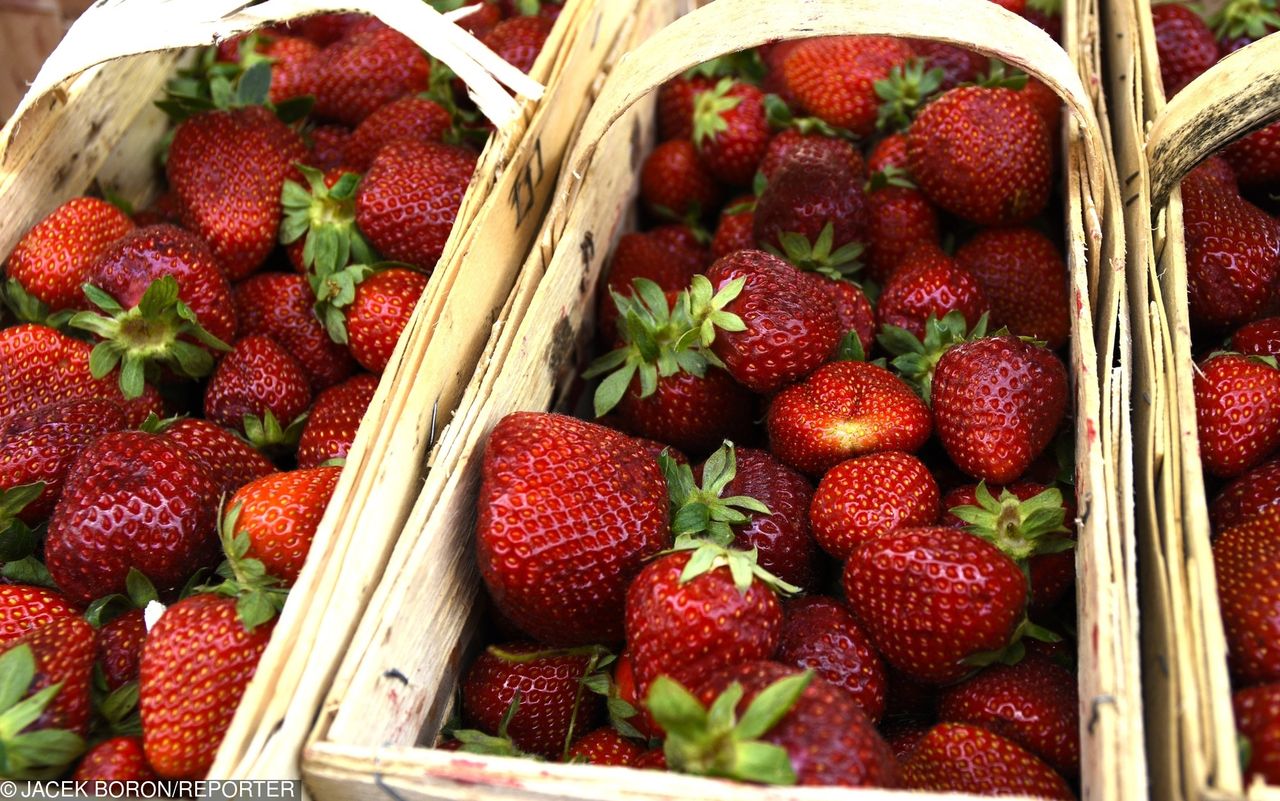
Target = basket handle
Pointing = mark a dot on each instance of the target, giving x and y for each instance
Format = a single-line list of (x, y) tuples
[(1238, 94)]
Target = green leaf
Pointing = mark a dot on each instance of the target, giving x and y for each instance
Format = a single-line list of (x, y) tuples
[(674, 707), (28, 571), (254, 85), (140, 589), (764, 763), (609, 393), (17, 671), (772, 704), (27, 711), (120, 702)]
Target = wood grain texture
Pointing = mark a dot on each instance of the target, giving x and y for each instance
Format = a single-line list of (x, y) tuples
[(29, 30)]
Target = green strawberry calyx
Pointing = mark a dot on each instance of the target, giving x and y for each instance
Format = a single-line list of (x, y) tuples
[(716, 741), (1251, 18), (891, 175), (702, 510), (908, 87), (266, 434), (916, 359), (212, 85), (660, 340), (39, 754), (259, 596), (743, 566), (1014, 652), (1001, 76), (468, 126), (326, 217), (161, 330), (1021, 529), (1051, 8), (709, 110), (17, 540), (780, 118), (27, 308), (478, 742), (817, 256), (139, 591), (745, 65)]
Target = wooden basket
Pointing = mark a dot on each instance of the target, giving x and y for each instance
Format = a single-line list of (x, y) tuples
[(29, 30), (397, 684), (88, 121), (1192, 735)]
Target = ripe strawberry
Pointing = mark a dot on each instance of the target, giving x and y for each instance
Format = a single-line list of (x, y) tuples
[(903, 734), (1237, 412), (227, 169), (1184, 43), (845, 409), (1024, 277), (52, 260), (852, 307), (1244, 559), (833, 77), (653, 759), (409, 199), (997, 402), (900, 219), (675, 183), (292, 60), (1239, 23), (230, 461), (328, 147), (278, 305), (42, 445), (334, 420), (684, 242), (257, 383), (605, 746), (165, 208), (24, 608), (280, 514), (119, 759), (929, 283), (199, 657), (1258, 338), (364, 70), (983, 155), (730, 130), (484, 15), (40, 365), (866, 497), (319, 227), (796, 729), (954, 757), (589, 502), (64, 650), (958, 65), (412, 117), (643, 255), (120, 643), (790, 326), (378, 315), (553, 701), (785, 144), (736, 228), (1015, 6), (1248, 496), (1046, 15), (1233, 253), (1256, 157), (325, 29), (131, 500), (1257, 712), (693, 413), (819, 634), (519, 40), (675, 105)]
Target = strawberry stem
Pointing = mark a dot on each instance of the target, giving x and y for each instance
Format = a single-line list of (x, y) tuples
[(701, 510), (1020, 529), (916, 359)]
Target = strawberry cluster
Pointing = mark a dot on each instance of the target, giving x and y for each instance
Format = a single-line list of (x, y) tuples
[(179, 385), (820, 532), (1233, 283)]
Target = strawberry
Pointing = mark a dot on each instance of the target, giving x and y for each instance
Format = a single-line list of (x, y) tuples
[(291, 62), (230, 461), (833, 77), (1237, 412), (328, 147), (954, 757), (903, 734), (119, 759), (589, 502), (929, 283), (845, 409), (694, 413), (1184, 43), (52, 260), (675, 183), (1046, 15), (957, 64), (1244, 558), (1024, 277), (483, 17), (790, 326), (997, 402), (852, 307), (325, 29), (983, 155), (866, 497), (334, 420), (1233, 253), (256, 387), (319, 227), (1258, 338), (785, 144), (383, 304), (1246, 497), (41, 446), (278, 305), (1257, 712), (1256, 157), (165, 208), (280, 514), (40, 365), (642, 255), (519, 40), (675, 105), (653, 759), (736, 228), (683, 242), (899, 220), (547, 688), (1239, 23), (120, 643), (136, 500), (605, 746), (819, 634), (1015, 6), (730, 130), (409, 199), (771, 724), (24, 608), (227, 169), (412, 117), (363, 71)]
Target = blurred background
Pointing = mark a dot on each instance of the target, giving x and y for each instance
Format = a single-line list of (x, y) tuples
[(29, 30)]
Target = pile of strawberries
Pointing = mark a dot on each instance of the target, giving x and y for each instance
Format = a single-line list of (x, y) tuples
[(179, 385), (1233, 280), (822, 530)]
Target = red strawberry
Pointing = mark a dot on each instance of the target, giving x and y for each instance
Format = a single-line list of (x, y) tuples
[(410, 117), (605, 746), (199, 657), (64, 650), (1184, 43), (24, 608), (230, 461), (929, 283), (319, 227), (166, 208), (955, 757), (409, 199), (1248, 496), (291, 65), (1046, 15), (484, 16), (119, 759), (675, 105), (1258, 338), (1237, 412), (693, 413), (785, 144), (1244, 559), (1233, 253), (1258, 722), (227, 169), (899, 220), (278, 305), (643, 255), (845, 409), (120, 643), (519, 40), (364, 70), (328, 147), (589, 502), (132, 500), (683, 242), (983, 155), (959, 65), (553, 703), (42, 445), (852, 306), (52, 260), (1016, 6), (624, 688), (258, 379), (869, 496), (997, 402), (736, 229), (377, 316), (791, 326), (730, 130), (819, 634), (833, 77), (1239, 23), (325, 29), (903, 735), (334, 420), (1024, 277), (280, 514), (675, 183)]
